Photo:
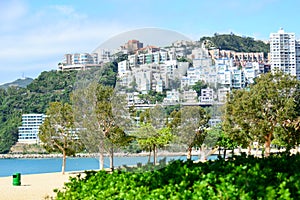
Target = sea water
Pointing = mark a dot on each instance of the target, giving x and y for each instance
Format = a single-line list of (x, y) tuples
[(47, 165)]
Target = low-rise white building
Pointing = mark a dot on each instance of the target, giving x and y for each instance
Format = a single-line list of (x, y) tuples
[(79, 61), (214, 121), (133, 98), (222, 93), (207, 95), (189, 96), (172, 97)]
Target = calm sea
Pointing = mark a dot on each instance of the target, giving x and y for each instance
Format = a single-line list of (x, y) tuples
[(47, 165)]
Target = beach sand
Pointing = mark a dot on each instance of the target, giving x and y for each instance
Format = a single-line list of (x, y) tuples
[(33, 187)]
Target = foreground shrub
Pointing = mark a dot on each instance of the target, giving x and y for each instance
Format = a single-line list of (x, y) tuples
[(275, 177)]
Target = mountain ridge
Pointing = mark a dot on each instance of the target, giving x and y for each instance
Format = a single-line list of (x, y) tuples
[(20, 82)]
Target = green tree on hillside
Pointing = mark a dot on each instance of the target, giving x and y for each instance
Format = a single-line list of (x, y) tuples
[(235, 43), (199, 85), (11, 106), (49, 86), (152, 97)]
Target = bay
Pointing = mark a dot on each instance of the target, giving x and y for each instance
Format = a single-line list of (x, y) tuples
[(48, 165)]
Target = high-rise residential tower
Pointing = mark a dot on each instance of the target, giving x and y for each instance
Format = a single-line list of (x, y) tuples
[(285, 53)]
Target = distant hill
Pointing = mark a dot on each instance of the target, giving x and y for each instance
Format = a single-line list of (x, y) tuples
[(19, 83), (236, 43)]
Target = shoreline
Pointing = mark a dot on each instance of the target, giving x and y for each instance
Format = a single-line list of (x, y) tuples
[(87, 155)]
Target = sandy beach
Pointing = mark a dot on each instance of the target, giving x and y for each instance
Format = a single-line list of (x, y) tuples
[(33, 187)]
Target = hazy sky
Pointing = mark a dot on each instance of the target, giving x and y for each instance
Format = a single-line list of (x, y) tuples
[(35, 34)]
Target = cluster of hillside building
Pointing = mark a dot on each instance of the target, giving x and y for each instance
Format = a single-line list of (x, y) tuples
[(175, 69)]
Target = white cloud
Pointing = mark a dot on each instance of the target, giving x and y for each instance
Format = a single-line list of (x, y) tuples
[(38, 41), (64, 9), (43, 43), (12, 10), (67, 11)]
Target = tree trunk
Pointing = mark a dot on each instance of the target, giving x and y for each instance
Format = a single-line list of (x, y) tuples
[(240, 150), (256, 151), (268, 144), (189, 153), (149, 156), (111, 159), (249, 150), (101, 158), (154, 154), (63, 167), (224, 153), (202, 153)]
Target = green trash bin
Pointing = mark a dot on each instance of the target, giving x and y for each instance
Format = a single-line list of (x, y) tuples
[(17, 179)]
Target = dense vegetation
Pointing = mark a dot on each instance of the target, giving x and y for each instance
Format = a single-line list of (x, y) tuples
[(15, 101), (236, 43), (267, 112), (49, 86), (275, 177)]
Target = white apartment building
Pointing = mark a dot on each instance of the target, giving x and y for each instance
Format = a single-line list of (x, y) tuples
[(123, 67), (172, 97), (251, 71), (133, 98), (238, 79), (222, 93), (80, 58), (297, 46), (79, 61), (28, 132), (158, 57), (194, 75), (214, 121), (143, 80), (189, 96), (104, 55), (184, 82), (207, 95), (284, 53), (225, 78)]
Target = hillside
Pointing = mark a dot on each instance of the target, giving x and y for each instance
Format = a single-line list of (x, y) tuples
[(236, 43), (21, 82), (48, 87)]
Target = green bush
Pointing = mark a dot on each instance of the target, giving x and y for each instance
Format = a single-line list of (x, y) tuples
[(238, 178)]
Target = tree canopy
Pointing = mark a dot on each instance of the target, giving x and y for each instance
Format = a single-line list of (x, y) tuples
[(260, 113), (153, 132), (99, 113), (58, 133), (189, 125), (236, 43), (199, 85)]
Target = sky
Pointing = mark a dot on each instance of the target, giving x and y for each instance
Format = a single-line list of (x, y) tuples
[(35, 34)]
